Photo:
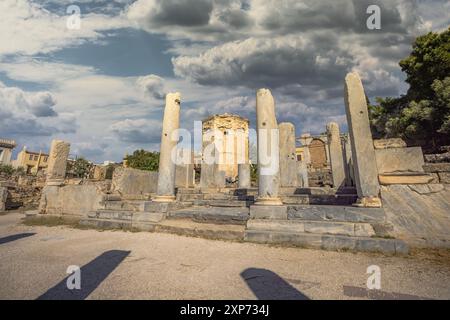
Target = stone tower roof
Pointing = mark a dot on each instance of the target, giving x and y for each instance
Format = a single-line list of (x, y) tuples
[(224, 116)]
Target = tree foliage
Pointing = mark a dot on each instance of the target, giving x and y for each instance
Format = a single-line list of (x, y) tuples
[(6, 169), (422, 116), (143, 160), (80, 168)]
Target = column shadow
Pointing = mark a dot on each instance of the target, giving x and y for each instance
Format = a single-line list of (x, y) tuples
[(92, 275), (15, 237), (267, 285)]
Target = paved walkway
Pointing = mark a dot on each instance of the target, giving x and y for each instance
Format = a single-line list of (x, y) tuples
[(125, 265)]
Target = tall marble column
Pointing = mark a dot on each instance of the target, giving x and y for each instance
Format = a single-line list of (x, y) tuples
[(268, 150), (288, 157), (167, 165), (336, 155), (57, 162), (363, 151)]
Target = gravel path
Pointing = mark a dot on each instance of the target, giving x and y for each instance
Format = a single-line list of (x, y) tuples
[(125, 265)]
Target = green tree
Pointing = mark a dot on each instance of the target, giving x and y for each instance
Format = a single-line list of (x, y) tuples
[(422, 116), (143, 160), (6, 169), (81, 168)]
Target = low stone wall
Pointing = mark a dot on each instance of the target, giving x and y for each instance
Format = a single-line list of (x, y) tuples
[(419, 214), (3, 195), (439, 171), (130, 182), (75, 199), (21, 190)]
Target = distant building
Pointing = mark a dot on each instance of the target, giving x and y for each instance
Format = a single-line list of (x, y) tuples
[(231, 142), (314, 150), (31, 162), (6, 148)]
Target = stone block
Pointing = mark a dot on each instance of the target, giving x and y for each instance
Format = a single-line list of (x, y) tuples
[(437, 167), (158, 207), (147, 217), (211, 176), (184, 176), (275, 225), (389, 179), (330, 228), (336, 213), (427, 188), (244, 175), (399, 160), (389, 143), (444, 177), (268, 212), (288, 157), (128, 181)]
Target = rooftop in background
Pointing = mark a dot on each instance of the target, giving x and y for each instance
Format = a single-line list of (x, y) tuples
[(6, 143)]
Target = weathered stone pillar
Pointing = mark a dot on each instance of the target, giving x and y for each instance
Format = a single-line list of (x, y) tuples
[(166, 175), (184, 176), (336, 155), (348, 165), (363, 152), (268, 150), (302, 174), (57, 163), (288, 157), (244, 176)]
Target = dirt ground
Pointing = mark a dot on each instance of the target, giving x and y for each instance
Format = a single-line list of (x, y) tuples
[(125, 265)]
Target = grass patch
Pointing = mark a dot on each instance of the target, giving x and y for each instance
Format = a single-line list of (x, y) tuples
[(54, 221)]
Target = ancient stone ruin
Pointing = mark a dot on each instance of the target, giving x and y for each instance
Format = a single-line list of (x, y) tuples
[(377, 190)]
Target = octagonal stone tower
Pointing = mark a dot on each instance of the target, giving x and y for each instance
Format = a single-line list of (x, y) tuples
[(229, 133)]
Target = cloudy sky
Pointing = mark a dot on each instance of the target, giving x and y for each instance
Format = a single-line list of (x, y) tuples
[(102, 86)]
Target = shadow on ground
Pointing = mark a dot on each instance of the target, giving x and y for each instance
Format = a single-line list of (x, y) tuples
[(267, 285), (15, 237), (92, 275)]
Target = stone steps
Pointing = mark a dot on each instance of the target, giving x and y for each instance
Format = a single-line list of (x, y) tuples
[(310, 226), (124, 205), (336, 213), (187, 227), (327, 242), (221, 200), (222, 203), (184, 227), (116, 219), (215, 215), (319, 199)]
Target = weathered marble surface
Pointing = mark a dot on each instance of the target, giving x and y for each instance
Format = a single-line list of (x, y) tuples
[(420, 214), (169, 140), (57, 162), (268, 149), (288, 157), (363, 151)]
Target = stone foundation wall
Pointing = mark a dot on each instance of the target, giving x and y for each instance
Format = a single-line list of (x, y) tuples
[(75, 199)]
